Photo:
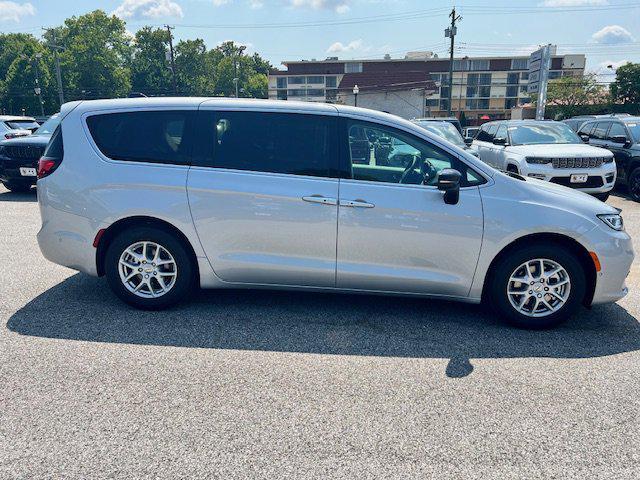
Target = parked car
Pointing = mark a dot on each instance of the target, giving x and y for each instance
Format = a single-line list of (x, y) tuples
[(12, 126), (162, 195), (452, 120), (19, 157), (620, 135), (548, 151), (576, 122), (469, 133), (447, 131)]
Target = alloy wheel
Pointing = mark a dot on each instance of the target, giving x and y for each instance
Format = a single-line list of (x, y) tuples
[(147, 269)]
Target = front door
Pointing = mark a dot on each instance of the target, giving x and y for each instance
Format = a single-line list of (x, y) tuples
[(262, 200), (395, 233)]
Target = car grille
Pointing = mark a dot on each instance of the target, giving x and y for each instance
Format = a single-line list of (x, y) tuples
[(592, 182), (23, 152), (590, 162)]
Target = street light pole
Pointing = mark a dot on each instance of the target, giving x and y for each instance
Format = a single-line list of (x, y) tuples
[(451, 33), (356, 91)]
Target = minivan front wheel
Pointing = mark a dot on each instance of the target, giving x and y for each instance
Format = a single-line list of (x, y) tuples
[(149, 268), (538, 286)]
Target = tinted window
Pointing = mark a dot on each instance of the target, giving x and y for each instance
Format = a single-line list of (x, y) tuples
[(542, 133), (275, 142), (634, 128), (617, 130), (55, 147), (502, 132), (49, 126), (22, 124), (383, 154), (142, 136), (587, 128), (484, 135), (600, 132)]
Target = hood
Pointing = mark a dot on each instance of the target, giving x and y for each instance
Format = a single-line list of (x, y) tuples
[(554, 196), (570, 150), (38, 140)]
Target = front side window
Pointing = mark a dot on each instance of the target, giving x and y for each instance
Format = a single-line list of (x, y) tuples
[(600, 132), (288, 143), (142, 136), (538, 134), (586, 128), (617, 130), (502, 132), (383, 154)]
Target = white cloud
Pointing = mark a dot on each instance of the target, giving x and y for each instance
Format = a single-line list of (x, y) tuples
[(255, 4), (339, 6), (136, 9), (219, 3), (14, 11), (339, 47), (573, 3), (612, 35)]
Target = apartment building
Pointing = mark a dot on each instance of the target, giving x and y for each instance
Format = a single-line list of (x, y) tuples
[(418, 85)]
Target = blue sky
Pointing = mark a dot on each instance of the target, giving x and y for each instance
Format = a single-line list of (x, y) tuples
[(607, 31)]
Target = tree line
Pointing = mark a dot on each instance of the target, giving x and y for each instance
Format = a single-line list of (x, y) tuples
[(98, 58)]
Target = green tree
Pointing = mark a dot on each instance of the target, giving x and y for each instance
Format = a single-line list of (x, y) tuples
[(150, 72), (251, 72), (571, 94), (96, 56), (195, 68), (626, 87)]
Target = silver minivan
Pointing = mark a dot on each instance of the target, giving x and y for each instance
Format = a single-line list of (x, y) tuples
[(164, 195)]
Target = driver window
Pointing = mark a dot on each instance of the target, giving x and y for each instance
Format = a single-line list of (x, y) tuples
[(382, 154)]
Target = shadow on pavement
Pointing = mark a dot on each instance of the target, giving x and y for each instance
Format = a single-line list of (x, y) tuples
[(7, 196), (82, 308)]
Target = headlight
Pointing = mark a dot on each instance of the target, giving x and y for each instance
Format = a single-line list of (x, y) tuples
[(538, 160), (614, 220), (608, 159)]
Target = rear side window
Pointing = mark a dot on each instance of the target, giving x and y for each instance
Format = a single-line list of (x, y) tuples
[(483, 134), (55, 147), (586, 128), (153, 136), (617, 130), (296, 144)]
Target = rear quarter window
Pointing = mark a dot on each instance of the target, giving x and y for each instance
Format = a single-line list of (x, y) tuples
[(145, 136)]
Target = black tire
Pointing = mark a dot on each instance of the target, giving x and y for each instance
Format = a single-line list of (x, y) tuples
[(603, 197), (634, 184), (185, 278), (499, 280), (17, 187)]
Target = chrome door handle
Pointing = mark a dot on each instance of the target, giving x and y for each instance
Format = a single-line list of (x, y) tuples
[(358, 203), (320, 199)]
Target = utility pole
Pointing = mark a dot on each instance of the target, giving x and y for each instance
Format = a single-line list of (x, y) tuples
[(172, 59), (451, 33), (38, 90), (55, 47)]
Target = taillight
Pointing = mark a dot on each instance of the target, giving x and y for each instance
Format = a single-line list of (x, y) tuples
[(46, 166)]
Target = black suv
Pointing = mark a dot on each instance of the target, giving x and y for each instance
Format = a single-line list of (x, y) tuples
[(621, 135), (19, 157)]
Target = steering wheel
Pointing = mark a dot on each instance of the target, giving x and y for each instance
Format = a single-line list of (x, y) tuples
[(409, 169), (427, 171)]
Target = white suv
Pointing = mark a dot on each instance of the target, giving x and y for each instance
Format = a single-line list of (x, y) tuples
[(548, 151)]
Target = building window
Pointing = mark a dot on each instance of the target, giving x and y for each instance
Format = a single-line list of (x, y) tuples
[(444, 104), (472, 92), (476, 65), (317, 79), (353, 67), (479, 79), (433, 102), (282, 82), (512, 91), (484, 91), (513, 78), (297, 80), (509, 103), (519, 64), (524, 75), (315, 92), (332, 95), (444, 92), (460, 65), (554, 75), (297, 93), (282, 94), (331, 82)]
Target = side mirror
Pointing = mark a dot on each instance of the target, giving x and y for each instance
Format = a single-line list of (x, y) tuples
[(449, 183), (468, 140), (621, 139), (500, 141), (584, 137)]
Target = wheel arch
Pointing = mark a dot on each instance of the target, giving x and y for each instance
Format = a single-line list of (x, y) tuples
[(128, 222), (545, 238)]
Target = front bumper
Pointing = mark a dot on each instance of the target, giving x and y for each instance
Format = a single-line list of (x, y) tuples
[(615, 252), (10, 170), (600, 180)]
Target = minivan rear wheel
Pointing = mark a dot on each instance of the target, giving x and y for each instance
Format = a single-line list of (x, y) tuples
[(149, 268), (538, 286)]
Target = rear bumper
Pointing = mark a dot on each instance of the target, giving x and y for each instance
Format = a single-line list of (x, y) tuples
[(10, 170), (67, 239)]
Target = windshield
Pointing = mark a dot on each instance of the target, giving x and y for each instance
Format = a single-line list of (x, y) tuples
[(49, 126), (634, 128), (444, 130), (535, 134), (22, 124)]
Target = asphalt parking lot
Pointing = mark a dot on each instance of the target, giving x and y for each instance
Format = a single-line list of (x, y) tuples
[(241, 384)]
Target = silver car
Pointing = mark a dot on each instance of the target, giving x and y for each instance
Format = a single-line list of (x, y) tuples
[(164, 195)]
